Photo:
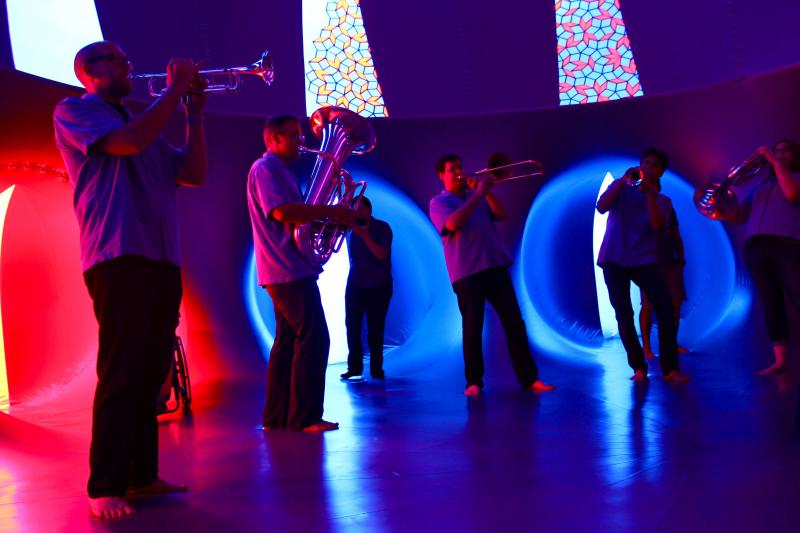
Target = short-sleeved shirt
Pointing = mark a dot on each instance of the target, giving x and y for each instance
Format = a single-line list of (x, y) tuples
[(271, 184), (366, 270), (476, 246), (771, 213), (125, 205), (629, 239)]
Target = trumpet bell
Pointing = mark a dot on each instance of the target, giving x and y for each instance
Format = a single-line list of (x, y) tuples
[(716, 201)]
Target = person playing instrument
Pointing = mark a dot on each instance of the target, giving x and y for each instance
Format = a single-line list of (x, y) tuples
[(629, 252), (124, 175), (464, 214), (298, 360), (671, 262), (369, 290), (771, 215)]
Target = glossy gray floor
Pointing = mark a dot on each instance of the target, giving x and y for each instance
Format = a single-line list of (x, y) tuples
[(721, 453)]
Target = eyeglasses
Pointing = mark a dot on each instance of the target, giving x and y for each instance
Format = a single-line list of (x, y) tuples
[(119, 59), (293, 135), (782, 148)]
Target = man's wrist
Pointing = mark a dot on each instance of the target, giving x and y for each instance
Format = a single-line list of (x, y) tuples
[(194, 119)]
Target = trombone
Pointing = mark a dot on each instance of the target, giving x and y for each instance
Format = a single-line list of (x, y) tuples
[(528, 168), (221, 80)]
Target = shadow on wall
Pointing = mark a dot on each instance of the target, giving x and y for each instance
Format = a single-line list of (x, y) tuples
[(555, 268), (423, 322)]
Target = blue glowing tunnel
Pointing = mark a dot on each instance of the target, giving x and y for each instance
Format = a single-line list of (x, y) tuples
[(555, 271), (423, 321)]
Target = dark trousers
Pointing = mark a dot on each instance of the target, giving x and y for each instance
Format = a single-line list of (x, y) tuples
[(774, 265), (299, 356), (650, 279), (493, 285), (374, 302), (136, 302)]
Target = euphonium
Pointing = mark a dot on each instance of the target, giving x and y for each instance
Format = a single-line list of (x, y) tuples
[(716, 200), (342, 133)]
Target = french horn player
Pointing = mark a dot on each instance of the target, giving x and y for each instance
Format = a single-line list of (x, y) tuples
[(770, 215)]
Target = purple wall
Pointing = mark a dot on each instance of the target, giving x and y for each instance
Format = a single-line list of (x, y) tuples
[(705, 132)]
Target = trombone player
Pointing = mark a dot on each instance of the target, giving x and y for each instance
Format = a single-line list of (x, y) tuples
[(464, 214), (124, 175)]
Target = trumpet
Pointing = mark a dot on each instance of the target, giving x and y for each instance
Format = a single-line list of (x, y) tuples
[(634, 176), (220, 81), (716, 200)]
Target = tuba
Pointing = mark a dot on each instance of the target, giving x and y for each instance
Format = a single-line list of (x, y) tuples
[(342, 133), (716, 200)]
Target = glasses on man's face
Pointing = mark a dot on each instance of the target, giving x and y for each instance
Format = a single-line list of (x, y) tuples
[(119, 59), (293, 135), (782, 149)]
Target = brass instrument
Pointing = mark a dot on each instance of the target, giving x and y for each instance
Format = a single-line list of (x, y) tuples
[(503, 172), (221, 80), (342, 133), (634, 176), (716, 200)]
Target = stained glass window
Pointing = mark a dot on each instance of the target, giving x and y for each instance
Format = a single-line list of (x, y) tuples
[(595, 59), (339, 67)]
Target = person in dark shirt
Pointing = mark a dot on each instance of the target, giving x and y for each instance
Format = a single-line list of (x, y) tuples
[(369, 290)]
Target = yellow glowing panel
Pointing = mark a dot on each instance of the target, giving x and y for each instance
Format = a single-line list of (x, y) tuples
[(5, 198)]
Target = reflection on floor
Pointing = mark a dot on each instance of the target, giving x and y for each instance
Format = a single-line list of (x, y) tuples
[(413, 454)]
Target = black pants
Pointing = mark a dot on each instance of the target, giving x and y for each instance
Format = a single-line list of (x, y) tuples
[(374, 302), (650, 279), (493, 285), (774, 264), (136, 302), (299, 356)]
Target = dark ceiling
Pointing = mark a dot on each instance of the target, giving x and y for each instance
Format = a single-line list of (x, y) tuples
[(454, 57)]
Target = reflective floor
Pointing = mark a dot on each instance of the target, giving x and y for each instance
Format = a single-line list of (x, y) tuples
[(721, 453)]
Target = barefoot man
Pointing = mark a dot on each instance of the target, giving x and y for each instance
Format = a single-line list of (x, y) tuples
[(124, 175)]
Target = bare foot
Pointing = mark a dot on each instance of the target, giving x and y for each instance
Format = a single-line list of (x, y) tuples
[(639, 375), (322, 425), (648, 353), (681, 349), (157, 487), (676, 377), (541, 386), (472, 390), (774, 368), (110, 507)]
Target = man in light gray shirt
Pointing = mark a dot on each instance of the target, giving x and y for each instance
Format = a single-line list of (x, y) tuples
[(299, 356), (125, 176), (477, 262)]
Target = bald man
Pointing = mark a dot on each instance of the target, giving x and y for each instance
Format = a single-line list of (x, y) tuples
[(125, 175)]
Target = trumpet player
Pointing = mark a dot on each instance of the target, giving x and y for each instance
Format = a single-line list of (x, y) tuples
[(771, 215), (464, 214), (299, 356), (124, 175), (638, 214)]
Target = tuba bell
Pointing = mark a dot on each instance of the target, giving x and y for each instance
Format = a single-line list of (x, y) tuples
[(716, 200), (342, 133)]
